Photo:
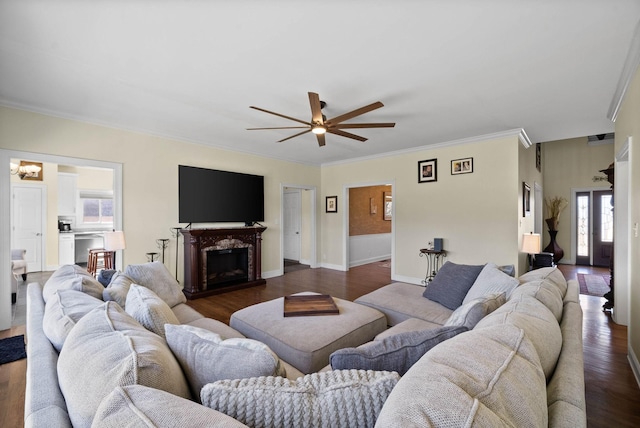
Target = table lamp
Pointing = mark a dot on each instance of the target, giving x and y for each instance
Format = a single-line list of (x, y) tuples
[(114, 241), (531, 246)]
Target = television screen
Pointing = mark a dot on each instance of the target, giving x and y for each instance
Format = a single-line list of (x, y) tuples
[(211, 196)]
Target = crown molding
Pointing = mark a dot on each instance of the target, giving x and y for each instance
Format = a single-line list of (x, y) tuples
[(518, 132), (628, 71)]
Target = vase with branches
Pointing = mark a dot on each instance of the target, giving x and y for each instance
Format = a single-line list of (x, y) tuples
[(554, 207)]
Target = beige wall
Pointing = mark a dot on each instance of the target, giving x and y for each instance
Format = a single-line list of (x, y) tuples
[(476, 214), (572, 164), (628, 125), (150, 171)]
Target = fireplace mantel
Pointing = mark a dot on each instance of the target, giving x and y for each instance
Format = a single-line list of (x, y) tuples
[(198, 243)]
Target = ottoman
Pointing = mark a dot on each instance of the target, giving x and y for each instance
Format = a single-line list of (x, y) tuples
[(306, 342)]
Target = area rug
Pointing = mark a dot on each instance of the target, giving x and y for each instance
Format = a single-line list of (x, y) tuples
[(594, 285), (12, 349)]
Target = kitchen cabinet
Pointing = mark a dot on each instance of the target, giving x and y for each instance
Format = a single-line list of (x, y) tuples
[(67, 193), (66, 249)]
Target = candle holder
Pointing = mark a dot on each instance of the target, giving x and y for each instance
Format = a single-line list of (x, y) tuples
[(162, 244), (175, 232)]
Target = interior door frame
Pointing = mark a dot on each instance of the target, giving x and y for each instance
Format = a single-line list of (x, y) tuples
[(5, 212), (313, 262), (43, 218)]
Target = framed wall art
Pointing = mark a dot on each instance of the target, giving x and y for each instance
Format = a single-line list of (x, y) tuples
[(427, 170), (526, 200), (332, 204), (388, 205), (462, 166)]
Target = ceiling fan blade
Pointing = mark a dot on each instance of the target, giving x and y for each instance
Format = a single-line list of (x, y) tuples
[(278, 127), (354, 113), (316, 108), (364, 125), (321, 141), (293, 136), (346, 134), (280, 115)]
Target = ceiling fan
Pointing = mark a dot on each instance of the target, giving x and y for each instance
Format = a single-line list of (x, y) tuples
[(319, 124)]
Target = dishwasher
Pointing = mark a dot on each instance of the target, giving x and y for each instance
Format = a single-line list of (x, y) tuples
[(84, 242)]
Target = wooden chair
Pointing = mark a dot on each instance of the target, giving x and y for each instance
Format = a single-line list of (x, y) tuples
[(99, 259)]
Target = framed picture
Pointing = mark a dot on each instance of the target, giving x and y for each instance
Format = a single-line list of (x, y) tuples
[(388, 206), (427, 171), (332, 204), (34, 170), (462, 166), (526, 199), (539, 157)]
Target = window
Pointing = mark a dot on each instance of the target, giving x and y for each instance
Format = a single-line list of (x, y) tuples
[(96, 208)]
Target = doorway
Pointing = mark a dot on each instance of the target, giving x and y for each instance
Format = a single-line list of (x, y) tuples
[(28, 228), (594, 227), (298, 235)]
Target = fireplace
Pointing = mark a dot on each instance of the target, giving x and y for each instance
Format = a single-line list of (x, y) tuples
[(226, 267), (221, 259)]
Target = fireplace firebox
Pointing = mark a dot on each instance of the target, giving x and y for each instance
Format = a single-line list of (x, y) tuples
[(221, 259)]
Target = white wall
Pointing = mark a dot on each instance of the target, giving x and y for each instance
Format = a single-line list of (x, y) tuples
[(365, 249)]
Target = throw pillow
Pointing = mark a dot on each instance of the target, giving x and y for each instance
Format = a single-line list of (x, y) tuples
[(205, 357), (393, 353), (347, 398), (491, 280), (137, 405), (156, 277), (107, 348), (470, 314), (72, 277), (117, 289), (149, 310), (62, 311), (451, 284)]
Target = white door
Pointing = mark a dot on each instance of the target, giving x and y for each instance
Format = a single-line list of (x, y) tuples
[(291, 224), (26, 220)]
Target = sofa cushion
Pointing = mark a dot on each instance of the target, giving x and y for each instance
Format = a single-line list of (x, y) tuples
[(63, 310), (108, 348), (412, 324), (395, 353), (491, 280), (117, 289), (149, 310), (550, 274), (470, 313), (206, 357), (347, 398), (486, 378), (451, 284), (400, 301), (72, 277), (543, 291), (137, 405), (538, 323), (156, 277)]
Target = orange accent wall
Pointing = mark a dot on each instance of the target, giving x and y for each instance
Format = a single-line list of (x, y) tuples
[(361, 220)]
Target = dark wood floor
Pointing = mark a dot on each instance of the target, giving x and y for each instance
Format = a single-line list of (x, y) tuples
[(613, 396)]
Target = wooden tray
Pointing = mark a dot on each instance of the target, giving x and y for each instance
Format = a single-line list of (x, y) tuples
[(309, 304)]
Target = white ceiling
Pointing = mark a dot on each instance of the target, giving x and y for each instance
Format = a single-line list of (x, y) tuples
[(445, 70)]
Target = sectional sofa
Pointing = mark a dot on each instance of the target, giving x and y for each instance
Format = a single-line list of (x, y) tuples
[(135, 354)]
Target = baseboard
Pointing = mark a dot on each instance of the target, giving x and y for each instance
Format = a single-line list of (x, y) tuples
[(271, 274), (334, 267), (408, 279), (635, 365), (370, 260)]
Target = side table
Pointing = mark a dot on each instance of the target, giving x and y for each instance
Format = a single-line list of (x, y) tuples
[(434, 262)]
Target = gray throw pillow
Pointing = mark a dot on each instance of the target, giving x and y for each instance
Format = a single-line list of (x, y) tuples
[(451, 284), (470, 313), (118, 289), (338, 398), (393, 353), (72, 277), (157, 278), (149, 310), (491, 280)]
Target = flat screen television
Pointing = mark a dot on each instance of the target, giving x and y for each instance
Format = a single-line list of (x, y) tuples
[(212, 196)]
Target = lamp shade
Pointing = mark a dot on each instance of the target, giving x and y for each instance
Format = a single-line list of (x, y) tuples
[(531, 243), (114, 241)]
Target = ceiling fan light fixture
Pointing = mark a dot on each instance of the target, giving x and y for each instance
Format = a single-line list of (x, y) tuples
[(319, 129)]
